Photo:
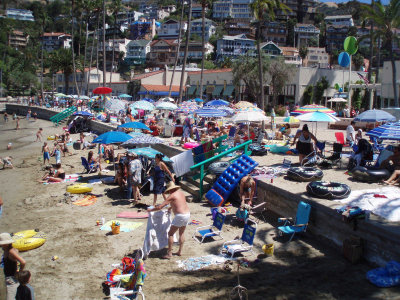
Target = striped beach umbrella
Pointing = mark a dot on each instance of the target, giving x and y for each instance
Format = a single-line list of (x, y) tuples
[(250, 109), (243, 104), (291, 120), (187, 107), (389, 131), (312, 108), (145, 105)]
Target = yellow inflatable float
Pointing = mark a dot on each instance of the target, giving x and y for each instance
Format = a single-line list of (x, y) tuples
[(79, 188), (51, 138), (28, 239)]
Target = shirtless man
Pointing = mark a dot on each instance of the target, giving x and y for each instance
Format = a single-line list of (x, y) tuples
[(39, 135), (177, 200)]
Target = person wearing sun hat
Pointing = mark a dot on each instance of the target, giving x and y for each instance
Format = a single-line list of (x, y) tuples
[(11, 258), (177, 201)]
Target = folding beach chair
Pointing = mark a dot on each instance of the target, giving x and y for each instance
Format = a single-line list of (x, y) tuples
[(336, 157), (340, 139), (244, 244), (88, 168), (213, 230), (314, 157), (299, 225)]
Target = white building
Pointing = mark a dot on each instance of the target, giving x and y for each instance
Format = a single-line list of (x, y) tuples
[(170, 29), (235, 9), (137, 52), (317, 57), (346, 20), (197, 28), (55, 40), (195, 50), (20, 14), (386, 76), (128, 17), (119, 46), (304, 33), (234, 46)]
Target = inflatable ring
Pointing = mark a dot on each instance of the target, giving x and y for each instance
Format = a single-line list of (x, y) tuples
[(51, 138), (219, 167), (369, 175), (328, 190), (28, 239), (190, 145), (304, 174), (79, 188)]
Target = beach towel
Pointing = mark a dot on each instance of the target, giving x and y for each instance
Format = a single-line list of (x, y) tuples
[(197, 263), (95, 181), (158, 225), (133, 215), (71, 177), (126, 226), (182, 162), (387, 207), (207, 146), (86, 201)]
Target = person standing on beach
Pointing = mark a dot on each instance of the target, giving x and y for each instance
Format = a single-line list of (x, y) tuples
[(17, 128), (46, 153), (11, 258), (159, 177), (177, 201), (5, 117), (39, 135), (28, 115), (134, 176), (34, 116), (56, 153)]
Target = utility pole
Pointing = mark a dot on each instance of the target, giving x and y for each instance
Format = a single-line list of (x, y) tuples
[(186, 53)]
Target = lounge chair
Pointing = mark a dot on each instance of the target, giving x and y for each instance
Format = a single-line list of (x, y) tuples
[(244, 244), (212, 230), (88, 168), (299, 225), (340, 139)]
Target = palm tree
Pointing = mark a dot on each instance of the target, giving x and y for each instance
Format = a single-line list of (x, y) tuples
[(61, 60), (386, 19), (72, 45), (204, 4), (177, 49), (259, 9), (116, 6), (186, 52)]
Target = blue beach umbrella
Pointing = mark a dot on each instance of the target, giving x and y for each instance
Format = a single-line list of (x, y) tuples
[(112, 137), (125, 96), (390, 131), (218, 102), (211, 113), (148, 152), (83, 114), (317, 116), (142, 139), (198, 100), (145, 105), (135, 125), (375, 115)]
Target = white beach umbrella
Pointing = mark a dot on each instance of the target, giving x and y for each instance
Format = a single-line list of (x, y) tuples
[(249, 116)]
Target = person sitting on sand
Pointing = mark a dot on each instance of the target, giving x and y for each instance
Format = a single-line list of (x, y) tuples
[(46, 153), (11, 258), (109, 152), (25, 290), (7, 162), (394, 178), (392, 163), (120, 176), (58, 176), (247, 190), (92, 161), (39, 135), (178, 205), (283, 131)]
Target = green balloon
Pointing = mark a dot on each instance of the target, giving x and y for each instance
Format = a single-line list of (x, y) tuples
[(351, 45)]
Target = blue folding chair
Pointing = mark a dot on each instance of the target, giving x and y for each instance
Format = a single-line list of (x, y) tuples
[(212, 230), (244, 244), (299, 225), (89, 168)]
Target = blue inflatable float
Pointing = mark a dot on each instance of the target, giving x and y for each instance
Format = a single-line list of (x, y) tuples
[(228, 180), (385, 277)]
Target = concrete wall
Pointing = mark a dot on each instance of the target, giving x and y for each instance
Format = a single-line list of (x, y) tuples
[(381, 239), (22, 110)]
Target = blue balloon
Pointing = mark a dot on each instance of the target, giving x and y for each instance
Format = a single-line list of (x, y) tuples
[(344, 59)]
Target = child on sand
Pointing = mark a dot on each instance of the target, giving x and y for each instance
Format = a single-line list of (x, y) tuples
[(17, 128), (39, 135), (25, 290), (56, 153), (46, 153), (6, 161), (5, 117)]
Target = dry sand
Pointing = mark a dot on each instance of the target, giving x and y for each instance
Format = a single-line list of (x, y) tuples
[(303, 269)]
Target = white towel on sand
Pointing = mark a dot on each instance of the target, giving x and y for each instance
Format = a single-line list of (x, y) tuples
[(182, 162), (158, 225), (388, 208)]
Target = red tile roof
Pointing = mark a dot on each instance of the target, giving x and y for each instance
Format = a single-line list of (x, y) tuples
[(161, 88), (169, 42), (145, 75), (211, 71)]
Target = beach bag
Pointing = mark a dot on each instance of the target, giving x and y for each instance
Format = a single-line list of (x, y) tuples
[(242, 214), (257, 150)]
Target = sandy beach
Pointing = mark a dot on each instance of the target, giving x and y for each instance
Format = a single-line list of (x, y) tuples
[(307, 268)]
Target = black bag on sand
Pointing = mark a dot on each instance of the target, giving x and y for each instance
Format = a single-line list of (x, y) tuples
[(257, 150)]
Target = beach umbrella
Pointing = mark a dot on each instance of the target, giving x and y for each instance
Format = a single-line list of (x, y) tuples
[(250, 109), (187, 107), (389, 131), (167, 99), (211, 113), (230, 111), (243, 104), (135, 125), (101, 116), (83, 114), (114, 105), (145, 105), (218, 102), (166, 106), (148, 152), (60, 95), (84, 97), (198, 100), (375, 115), (148, 100), (112, 137), (142, 139), (102, 90), (312, 108), (125, 96), (338, 100), (249, 116), (291, 120), (317, 116)]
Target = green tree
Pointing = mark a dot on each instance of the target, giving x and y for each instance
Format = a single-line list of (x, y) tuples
[(61, 60), (280, 73), (386, 19), (303, 52), (308, 94), (320, 88), (358, 61), (261, 9)]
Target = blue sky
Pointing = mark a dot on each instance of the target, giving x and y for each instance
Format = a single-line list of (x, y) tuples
[(364, 1)]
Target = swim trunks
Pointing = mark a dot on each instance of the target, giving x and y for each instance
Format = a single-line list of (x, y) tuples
[(46, 155), (181, 220)]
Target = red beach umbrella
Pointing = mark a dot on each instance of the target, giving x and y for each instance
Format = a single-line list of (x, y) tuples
[(102, 90)]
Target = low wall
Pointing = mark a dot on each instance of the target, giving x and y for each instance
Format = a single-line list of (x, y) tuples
[(381, 239), (22, 110)]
